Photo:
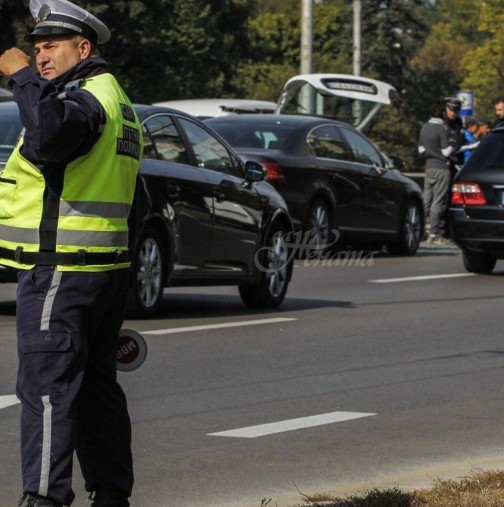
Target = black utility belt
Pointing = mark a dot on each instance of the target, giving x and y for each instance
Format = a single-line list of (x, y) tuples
[(79, 258)]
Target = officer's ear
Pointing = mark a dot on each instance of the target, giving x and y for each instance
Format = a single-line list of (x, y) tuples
[(85, 47)]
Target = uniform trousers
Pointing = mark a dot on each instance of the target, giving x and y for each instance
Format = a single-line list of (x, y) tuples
[(67, 328), (436, 195)]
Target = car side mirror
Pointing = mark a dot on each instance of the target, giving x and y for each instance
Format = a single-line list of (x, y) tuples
[(254, 171), (397, 163)]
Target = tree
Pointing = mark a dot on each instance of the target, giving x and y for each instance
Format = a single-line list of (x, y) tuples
[(439, 63), (161, 49), (483, 65), (177, 48), (14, 20), (274, 54), (392, 32), (173, 49)]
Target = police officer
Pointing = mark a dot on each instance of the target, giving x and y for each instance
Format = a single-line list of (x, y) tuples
[(65, 196), (455, 126)]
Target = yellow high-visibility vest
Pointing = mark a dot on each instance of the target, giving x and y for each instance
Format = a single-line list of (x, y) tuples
[(95, 201)]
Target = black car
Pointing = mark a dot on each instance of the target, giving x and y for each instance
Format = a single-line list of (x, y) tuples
[(200, 216), (476, 214), (339, 187)]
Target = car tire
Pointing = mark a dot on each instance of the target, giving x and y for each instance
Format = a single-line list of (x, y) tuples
[(411, 232), (478, 262), (318, 227), (275, 264), (148, 273)]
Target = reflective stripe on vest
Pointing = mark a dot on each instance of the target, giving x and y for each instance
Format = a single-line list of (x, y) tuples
[(30, 237), (94, 209), (20, 235), (107, 239)]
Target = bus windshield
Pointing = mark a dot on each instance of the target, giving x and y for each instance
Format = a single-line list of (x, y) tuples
[(350, 99)]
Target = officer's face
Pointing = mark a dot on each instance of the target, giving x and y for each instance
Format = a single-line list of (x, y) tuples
[(451, 114), (54, 55)]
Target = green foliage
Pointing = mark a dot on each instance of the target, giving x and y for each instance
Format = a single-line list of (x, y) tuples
[(177, 48), (483, 65), (161, 49), (262, 81)]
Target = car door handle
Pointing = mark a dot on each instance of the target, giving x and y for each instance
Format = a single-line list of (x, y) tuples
[(172, 190)]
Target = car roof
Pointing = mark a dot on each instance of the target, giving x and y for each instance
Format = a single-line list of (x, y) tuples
[(144, 110), (286, 119), (211, 108), (9, 105)]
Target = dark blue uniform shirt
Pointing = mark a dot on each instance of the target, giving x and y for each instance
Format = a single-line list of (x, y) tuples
[(59, 128)]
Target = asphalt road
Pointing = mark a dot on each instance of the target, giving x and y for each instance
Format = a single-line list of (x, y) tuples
[(367, 375)]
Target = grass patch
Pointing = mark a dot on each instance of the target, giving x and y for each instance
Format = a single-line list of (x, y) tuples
[(479, 489)]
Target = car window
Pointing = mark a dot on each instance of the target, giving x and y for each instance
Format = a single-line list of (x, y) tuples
[(162, 140), (362, 149), (10, 129), (210, 153), (326, 142), (241, 136), (254, 132)]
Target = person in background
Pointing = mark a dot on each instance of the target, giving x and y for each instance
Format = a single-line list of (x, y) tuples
[(499, 110), (471, 140), (455, 127), (434, 146), (484, 128), (66, 193)]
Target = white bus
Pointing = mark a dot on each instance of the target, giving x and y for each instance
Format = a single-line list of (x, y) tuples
[(351, 99)]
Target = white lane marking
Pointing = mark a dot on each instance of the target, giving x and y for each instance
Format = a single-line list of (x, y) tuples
[(419, 278), (290, 424), (8, 400), (216, 326)]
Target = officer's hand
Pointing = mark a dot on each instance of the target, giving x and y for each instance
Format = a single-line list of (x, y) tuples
[(12, 60)]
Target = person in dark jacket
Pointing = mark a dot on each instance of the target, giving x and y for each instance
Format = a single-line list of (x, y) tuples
[(66, 194), (455, 127), (434, 146), (499, 110)]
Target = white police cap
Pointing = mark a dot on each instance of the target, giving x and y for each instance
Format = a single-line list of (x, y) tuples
[(59, 17)]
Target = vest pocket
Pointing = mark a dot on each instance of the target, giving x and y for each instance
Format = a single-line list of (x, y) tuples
[(8, 197)]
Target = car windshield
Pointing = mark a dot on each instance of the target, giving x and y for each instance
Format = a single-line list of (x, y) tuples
[(254, 134)]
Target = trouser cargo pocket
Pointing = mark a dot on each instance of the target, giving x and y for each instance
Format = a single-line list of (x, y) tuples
[(44, 362)]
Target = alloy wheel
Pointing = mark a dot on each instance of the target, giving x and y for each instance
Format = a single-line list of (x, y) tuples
[(149, 272)]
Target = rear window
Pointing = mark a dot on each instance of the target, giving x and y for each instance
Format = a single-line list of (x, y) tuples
[(249, 134)]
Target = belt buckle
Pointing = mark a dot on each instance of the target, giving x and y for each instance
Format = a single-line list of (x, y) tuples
[(17, 254), (81, 257)]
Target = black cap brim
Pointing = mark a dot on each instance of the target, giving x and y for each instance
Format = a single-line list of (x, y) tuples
[(46, 31)]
